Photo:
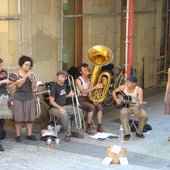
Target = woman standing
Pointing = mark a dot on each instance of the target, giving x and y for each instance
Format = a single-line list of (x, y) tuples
[(4, 81), (167, 97), (24, 104)]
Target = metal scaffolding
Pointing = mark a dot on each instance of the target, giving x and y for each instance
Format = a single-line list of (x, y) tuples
[(162, 58)]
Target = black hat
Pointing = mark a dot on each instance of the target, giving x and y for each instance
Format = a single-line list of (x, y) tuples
[(62, 72), (132, 78)]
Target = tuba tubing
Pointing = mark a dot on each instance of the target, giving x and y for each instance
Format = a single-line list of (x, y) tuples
[(99, 55)]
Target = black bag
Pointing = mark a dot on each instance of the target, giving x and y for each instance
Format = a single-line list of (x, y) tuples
[(44, 138), (145, 129), (74, 71)]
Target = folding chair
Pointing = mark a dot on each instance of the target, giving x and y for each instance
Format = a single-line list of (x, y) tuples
[(84, 120), (56, 120), (132, 120)]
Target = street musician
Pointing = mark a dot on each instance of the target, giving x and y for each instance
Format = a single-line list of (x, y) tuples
[(83, 88), (59, 107), (5, 112), (131, 89)]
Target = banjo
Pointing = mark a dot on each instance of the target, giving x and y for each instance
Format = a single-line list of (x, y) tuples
[(126, 101)]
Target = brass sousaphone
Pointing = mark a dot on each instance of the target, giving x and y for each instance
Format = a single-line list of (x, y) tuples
[(99, 55)]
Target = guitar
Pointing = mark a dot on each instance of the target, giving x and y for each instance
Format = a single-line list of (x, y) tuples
[(126, 101)]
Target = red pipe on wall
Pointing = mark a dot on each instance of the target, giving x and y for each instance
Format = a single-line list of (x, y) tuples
[(130, 35)]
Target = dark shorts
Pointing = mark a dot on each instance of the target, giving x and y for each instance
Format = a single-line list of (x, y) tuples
[(88, 105)]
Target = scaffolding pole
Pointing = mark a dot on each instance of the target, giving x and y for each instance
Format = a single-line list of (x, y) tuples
[(8, 18), (166, 36), (30, 27), (163, 57), (61, 30), (19, 29)]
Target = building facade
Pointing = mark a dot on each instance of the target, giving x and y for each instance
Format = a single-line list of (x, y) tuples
[(58, 33)]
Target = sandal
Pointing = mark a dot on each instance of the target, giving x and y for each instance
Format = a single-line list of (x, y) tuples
[(66, 139), (77, 135), (127, 137)]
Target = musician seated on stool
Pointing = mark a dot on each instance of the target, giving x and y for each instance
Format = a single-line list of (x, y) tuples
[(83, 88), (59, 109), (136, 93)]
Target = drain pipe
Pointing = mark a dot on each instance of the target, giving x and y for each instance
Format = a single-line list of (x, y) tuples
[(130, 35), (126, 41)]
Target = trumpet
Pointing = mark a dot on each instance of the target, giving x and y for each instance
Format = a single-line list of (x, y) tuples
[(32, 77), (76, 105)]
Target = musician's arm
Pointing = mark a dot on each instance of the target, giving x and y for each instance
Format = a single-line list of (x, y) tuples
[(20, 81), (11, 84), (70, 94), (81, 88), (5, 81), (167, 86), (33, 83), (120, 88), (166, 92), (53, 103), (140, 96)]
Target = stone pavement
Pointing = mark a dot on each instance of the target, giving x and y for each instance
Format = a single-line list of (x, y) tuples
[(152, 153)]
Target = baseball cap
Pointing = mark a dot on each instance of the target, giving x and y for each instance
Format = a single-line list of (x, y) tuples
[(62, 72), (132, 78)]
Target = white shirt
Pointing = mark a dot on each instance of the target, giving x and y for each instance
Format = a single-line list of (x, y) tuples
[(133, 95), (85, 86)]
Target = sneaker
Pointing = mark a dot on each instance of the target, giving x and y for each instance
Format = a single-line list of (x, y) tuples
[(127, 137), (77, 135), (67, 139), (31, 137), (1, 148), (140, 135), (100, 129), (18, 139), (89, 130)]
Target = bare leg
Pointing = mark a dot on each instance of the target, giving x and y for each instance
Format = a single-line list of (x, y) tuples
[(89, 117), (17, 128), (99, 117), (29, 132), (29, 129)]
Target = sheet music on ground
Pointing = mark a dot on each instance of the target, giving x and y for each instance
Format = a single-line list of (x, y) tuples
[(103, 136)]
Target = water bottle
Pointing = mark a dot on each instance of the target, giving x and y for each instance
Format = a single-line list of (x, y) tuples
[(49, 141), (121, 134)]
